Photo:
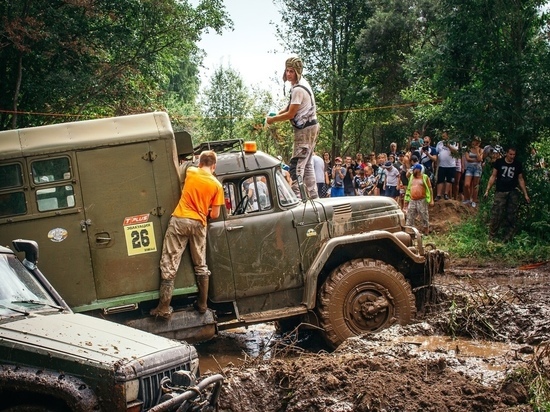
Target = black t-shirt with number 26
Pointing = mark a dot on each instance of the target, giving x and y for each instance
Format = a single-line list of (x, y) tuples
[(507, 174)]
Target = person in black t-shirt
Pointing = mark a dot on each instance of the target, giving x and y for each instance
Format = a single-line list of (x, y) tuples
[(507, 175)]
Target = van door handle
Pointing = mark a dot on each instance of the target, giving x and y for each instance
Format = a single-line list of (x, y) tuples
[(103, 239), (230, 228)]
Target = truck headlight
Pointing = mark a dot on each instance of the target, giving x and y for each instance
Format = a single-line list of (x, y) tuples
[(132, 390)]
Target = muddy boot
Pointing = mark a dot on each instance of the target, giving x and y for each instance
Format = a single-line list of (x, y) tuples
[(164, 310), (200, 304)]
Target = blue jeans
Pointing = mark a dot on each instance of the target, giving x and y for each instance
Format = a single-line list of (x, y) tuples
[(337, 191)]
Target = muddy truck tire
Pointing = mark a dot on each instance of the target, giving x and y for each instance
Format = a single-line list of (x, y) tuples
[(361, 296)]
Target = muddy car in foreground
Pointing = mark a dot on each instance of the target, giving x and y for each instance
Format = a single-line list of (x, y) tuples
[(54, 360), (97, 197)]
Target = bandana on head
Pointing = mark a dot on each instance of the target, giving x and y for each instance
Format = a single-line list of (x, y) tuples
[(296, 64)]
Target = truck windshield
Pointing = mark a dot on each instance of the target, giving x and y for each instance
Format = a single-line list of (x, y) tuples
[(284, 191), (20, 292)]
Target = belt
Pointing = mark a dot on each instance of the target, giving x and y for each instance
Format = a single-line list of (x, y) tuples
[(306, 124)]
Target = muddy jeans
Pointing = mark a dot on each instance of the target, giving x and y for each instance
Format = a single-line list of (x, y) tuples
[(180, 232), (503, 214), (418, 207), (300, 163)]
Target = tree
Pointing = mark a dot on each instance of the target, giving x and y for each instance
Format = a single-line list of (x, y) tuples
[(395, 31), (96, 57), (490, 67), (226, 105)]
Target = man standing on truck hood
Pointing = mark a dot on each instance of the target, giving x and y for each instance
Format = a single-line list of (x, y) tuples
[(202, 194), (301, 112)]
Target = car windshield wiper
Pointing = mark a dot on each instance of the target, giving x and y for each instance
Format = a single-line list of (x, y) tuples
[(38, 302), (24, 312)]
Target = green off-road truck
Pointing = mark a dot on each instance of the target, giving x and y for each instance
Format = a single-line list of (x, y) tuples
[(97, 197)]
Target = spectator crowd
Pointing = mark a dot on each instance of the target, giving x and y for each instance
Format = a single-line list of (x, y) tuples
[(416, 176)]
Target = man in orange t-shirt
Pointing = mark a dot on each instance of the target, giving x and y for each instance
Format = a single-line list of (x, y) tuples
[(202, 195)]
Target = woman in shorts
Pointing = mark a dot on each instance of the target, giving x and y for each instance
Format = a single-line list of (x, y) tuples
[(472, 172)]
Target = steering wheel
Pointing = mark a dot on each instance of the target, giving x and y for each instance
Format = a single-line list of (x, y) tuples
[(241, 207)]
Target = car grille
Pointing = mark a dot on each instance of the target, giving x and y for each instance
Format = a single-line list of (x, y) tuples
[(149, 388)]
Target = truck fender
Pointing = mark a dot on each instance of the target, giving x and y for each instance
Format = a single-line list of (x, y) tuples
[(327, 249), (72, 391)]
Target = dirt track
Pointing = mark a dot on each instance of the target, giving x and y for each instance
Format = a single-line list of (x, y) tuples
[(435, 364)]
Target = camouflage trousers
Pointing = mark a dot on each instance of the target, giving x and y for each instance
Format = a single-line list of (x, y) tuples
[(180, 232), (418, 208), (300, 163), (503, 214)]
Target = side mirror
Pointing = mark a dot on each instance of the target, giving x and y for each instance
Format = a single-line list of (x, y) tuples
[(30, 248)]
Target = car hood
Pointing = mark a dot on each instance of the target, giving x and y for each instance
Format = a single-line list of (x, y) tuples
[(86, 338)]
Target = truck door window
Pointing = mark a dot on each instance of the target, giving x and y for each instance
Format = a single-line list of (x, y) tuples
[(56, 196), (257, 190), (12, 197), (229, 196)]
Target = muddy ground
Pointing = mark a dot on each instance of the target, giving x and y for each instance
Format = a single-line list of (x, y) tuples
[(483, 323)]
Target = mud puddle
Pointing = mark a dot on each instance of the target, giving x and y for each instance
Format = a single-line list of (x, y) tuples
[(237, 347), (234, 347)]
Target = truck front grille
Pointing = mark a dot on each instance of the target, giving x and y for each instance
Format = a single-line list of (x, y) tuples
[(149, 388)]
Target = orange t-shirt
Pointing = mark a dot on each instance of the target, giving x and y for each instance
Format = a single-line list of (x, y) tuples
[(200, 191)]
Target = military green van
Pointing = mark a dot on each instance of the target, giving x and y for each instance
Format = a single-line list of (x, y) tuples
[(97, 196)]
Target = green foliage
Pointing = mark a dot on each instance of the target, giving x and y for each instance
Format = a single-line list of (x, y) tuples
[(225, 103), (488, 62), (98, 58)]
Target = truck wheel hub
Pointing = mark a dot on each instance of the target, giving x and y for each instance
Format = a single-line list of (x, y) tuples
[(370, 307)]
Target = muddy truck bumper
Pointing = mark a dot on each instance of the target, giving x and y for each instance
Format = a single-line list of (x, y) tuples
[(181, 393)]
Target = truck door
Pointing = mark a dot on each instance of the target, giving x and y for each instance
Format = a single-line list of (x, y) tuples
[(263, 246)]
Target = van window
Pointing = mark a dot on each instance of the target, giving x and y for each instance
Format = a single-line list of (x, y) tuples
[(51, 170), (53, 198), (48, 171), (11, 176), (12, 202)]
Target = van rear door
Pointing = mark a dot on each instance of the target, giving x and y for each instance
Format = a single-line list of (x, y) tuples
[(124, 230)]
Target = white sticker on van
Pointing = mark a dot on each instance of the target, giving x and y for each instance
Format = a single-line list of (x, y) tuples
[(57, 235), (140, 238)]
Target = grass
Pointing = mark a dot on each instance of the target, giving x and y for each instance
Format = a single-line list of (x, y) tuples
[(470, 240)]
